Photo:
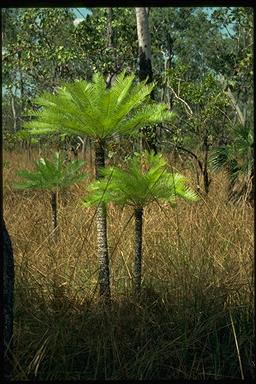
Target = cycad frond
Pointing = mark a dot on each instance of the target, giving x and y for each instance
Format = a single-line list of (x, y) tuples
[(51, 174), (145, 180), (88, 108)]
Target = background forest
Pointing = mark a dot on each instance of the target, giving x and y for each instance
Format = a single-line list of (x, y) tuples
[(194, 319)]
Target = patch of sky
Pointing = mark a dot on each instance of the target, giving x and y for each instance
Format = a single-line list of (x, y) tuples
[(80, 14), (227, 30)]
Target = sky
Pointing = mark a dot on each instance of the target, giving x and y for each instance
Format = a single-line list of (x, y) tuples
[(81, 13)]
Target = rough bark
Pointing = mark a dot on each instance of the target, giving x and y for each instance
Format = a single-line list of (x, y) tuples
[(8, 264), (102, 227), (138, 250)]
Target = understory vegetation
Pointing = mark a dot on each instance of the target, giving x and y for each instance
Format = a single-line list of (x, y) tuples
[(194, 319)]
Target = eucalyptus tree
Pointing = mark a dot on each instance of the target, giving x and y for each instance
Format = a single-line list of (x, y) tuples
[(90, 109), (148, 140), (108, 39), (145, 180), (203, 109), (51, 176)]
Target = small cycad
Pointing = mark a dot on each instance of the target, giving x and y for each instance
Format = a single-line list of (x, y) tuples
[(145, 180), (51, 175)]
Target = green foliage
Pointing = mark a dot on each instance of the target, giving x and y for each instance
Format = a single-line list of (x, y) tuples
[(50, 175), (116, 49), (236, 157), (145, 180), (88, 108)]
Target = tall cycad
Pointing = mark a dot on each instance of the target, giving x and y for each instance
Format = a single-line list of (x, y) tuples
[(52, 176), (90, 109), (145, 180)]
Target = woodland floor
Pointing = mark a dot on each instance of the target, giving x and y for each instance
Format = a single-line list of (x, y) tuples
[(195, 317)]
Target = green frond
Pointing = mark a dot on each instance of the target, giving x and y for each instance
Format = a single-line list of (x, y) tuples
[(145, 180), (148, 115), (88, 108), (51, 174)]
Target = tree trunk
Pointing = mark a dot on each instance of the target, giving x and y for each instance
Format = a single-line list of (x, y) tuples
[(145, 65), (145, 70), (8, 266), (102, 227), (138, 250), (168, 65), (21, 89), (54, 205), (14, 113), (207, 181)]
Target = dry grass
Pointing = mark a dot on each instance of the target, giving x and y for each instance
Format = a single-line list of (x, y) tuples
[(195, 320)]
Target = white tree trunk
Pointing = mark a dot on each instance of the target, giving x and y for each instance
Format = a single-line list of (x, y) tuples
[(14, 114), (148, 140), (143, 32)]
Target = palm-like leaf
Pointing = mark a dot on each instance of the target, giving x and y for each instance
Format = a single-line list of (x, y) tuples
[(51, 174), (145, 180), (85, 108), (237, 157)]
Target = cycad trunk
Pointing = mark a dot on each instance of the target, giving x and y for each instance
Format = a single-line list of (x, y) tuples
[(8, 264), (138, 250), (102, 227)]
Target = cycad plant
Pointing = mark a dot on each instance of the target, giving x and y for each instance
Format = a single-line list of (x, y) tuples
[(51, 176), (237, 159), (90, 109), (145, 180)]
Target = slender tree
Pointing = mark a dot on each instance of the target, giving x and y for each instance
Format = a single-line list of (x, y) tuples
[(91, 109), (52, 176), (145, 69), (145, 180)]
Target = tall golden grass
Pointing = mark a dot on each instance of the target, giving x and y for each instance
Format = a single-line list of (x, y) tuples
[(195, 317)]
